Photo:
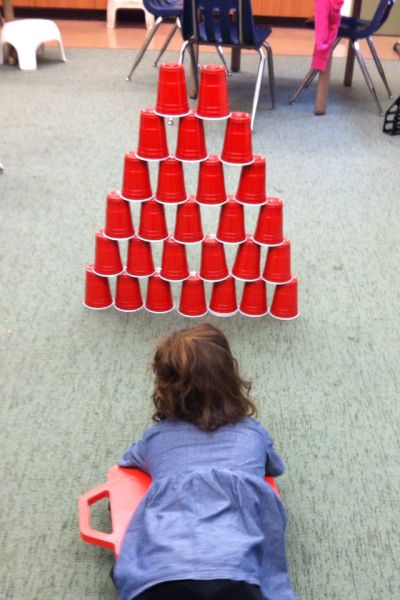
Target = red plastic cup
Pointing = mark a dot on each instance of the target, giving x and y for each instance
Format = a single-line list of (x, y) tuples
[(171, 183), (223, 301), (254, 299), (237, 147), (128, 297), (191, 143), (277, 265), (140, 259), (136, 184), (152, 225), (269, 228), (231, 228), (193, 299), (188, 228), (152, 136), (174, 266), (158, 297), (213, 265), (251, 189), (247, 262), (211, 183), (284, 303), (97, 290), (172, 100), (213, 100), (118, 218), (107, 260)]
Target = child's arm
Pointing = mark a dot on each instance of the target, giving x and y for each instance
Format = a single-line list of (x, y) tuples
[(273, 464), (135, 456)]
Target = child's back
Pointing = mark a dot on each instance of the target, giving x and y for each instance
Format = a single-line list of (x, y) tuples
[(208, 514)]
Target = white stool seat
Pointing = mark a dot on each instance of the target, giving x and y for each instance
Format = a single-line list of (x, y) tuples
[(26, 36), (114, 5)]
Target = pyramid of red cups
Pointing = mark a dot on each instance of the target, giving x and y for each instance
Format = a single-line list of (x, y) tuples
[(213, 103)]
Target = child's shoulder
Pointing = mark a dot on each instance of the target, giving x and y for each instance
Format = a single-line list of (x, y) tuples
[(255, 425)]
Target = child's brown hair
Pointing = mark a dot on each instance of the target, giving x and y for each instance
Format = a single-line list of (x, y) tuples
[(197, 380)]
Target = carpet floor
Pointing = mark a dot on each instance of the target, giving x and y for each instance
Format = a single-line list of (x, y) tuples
[(76, 383)]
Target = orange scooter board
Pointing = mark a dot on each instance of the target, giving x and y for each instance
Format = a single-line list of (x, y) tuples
[(125, 489)]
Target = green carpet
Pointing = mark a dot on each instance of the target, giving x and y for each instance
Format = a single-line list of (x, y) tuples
[(76, 383)]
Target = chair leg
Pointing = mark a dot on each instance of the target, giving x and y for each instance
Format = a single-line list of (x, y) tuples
[(367, 76), (182, 52), (222, 57), (260, 73), (167, 42), (143, 49), (271, 75), (195, 74), (312, 73), (378, 65)]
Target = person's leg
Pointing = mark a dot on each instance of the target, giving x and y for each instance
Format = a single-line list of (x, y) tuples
[(189, 589)]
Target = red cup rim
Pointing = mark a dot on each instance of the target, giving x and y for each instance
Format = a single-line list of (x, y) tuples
[(218, 314), (224, 242), (140, 276), (172, 115), (126, 310), (251, 203), (236, 164), (191, 316), (159, 312), (284, 318), (265, 244), (134, 199), (213, 280), (245, 280), (173, 280), (276, 282), (97, 307), (103, 275), (255, 316), (170, 203), (151, 159), (119, 239), (211, 203), (153, 240), (187, 243), (191, 160), (199, 116)]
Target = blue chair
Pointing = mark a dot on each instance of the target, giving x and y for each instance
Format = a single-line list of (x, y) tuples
[(226, 23), (160, 9), (354, 30)]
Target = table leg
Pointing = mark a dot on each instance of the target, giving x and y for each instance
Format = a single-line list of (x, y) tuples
[(193, 77), (348, 74), (321, 99), (235, 60)]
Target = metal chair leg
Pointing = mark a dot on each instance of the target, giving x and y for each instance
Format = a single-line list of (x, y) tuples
[(143, 49), (256, 96), (305, 83), (182, 52), (222, 57), (378, 65), (367, 76), (167, 41), (271, 75)]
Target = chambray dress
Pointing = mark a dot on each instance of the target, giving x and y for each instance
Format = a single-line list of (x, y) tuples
[(208, 513)]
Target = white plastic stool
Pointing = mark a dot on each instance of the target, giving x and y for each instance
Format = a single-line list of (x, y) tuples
[(114, 5), (26, 36)]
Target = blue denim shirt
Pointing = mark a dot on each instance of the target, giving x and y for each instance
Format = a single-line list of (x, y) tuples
[(208, 513)]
